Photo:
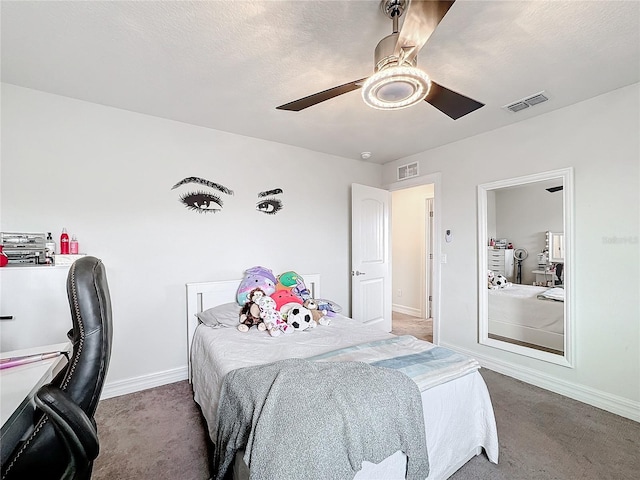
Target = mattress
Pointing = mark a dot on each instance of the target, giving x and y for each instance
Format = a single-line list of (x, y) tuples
[(520, 305), (459, 418)]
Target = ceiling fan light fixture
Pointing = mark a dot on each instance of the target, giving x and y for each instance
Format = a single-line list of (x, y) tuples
[(396, 87)]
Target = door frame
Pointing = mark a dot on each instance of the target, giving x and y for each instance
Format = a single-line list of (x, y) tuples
[(429, 262), (436, 180)]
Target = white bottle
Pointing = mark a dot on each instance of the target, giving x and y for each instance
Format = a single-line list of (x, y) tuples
[(50, 249)]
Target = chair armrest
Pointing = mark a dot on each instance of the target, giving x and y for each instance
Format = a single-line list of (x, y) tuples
[(71, 423)]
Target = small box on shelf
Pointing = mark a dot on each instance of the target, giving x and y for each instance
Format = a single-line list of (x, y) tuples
[(66, 260)]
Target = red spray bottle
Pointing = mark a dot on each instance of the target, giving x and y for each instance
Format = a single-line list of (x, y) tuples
[(64, 242)]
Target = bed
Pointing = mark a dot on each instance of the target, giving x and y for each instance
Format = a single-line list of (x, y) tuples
[(528, 313), (458, 415)]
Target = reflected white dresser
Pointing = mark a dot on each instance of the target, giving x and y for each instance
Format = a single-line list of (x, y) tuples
[(500, 260)]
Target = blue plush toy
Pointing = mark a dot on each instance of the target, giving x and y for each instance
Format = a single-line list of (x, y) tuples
[(328, 306)]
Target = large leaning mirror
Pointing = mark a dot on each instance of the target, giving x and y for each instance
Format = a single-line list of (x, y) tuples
[(524, 269)]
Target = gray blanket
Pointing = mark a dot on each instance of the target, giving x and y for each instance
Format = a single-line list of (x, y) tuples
[(299, 419)]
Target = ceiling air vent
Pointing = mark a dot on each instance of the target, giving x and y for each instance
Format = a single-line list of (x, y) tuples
[(516, 107), (536, 99), (527, 102), (408, 171)]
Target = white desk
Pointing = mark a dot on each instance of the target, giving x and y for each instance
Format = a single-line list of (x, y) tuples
[(545, 278), (18, 385)]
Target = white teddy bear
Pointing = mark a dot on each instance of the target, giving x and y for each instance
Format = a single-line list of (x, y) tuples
[(271, 317)]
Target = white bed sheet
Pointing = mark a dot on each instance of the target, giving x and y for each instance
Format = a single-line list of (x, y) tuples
[(519, 305), (458, 415)]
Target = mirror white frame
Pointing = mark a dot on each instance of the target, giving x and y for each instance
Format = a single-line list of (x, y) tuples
[(555, 245), (567, 359)]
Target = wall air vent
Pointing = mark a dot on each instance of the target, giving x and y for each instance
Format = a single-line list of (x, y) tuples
[(408, 171), (526, 102)]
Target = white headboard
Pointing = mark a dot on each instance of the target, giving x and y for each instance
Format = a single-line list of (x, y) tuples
[(204, 295)]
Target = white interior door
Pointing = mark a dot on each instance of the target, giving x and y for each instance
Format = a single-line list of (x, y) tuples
[(370, 255)]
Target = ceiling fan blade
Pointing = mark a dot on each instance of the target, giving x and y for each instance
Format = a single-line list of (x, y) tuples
[(319, 97), (452, 104), (422, 18)]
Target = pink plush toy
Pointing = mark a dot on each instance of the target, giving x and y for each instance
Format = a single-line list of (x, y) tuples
[(283, 297)]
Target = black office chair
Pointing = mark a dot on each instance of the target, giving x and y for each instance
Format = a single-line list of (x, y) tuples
[(64, 440)]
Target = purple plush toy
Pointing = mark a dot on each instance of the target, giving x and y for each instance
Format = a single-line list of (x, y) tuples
[(259, 277)]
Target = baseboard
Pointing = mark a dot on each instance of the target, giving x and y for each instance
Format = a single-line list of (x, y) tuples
[(136, 384), (414, 312), (597, 398)]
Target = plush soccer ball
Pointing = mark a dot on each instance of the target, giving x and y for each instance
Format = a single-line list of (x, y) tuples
[(500, 281), (300, 318)]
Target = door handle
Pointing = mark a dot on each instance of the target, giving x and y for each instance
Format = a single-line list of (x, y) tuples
[(6, 317), (357, 273)]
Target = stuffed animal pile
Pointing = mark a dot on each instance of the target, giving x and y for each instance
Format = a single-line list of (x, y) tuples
[(280, 305)]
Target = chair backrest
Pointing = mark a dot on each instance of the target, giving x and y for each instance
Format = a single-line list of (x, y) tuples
[(43, 455), (90, 304)]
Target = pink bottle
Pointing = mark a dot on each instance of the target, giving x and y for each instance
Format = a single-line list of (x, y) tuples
[(73, 245), (64, 242)]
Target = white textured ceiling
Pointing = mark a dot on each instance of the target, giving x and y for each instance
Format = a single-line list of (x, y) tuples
[(228, 64)]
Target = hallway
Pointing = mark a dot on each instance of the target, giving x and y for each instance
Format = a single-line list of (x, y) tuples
[(403, 324)]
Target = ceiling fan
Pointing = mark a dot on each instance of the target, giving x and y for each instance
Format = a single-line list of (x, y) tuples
[(397, 82)]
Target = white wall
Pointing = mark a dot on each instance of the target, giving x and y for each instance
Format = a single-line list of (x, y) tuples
[(106, 175), (600, 139), (408, 217)]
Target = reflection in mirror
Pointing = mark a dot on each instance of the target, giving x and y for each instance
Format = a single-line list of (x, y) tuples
[(555, 245), (524, 229)]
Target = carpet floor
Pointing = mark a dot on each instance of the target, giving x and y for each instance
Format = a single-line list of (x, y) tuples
[(403, 324), (159, 434)]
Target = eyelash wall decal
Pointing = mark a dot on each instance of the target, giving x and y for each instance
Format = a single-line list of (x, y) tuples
[(275, 191), (202, 202), (205, 182), (270, 206)]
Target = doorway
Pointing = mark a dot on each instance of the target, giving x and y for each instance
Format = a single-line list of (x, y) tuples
[(412, 234)]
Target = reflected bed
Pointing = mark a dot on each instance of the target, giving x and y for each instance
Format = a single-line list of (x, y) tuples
[(517, 312)]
